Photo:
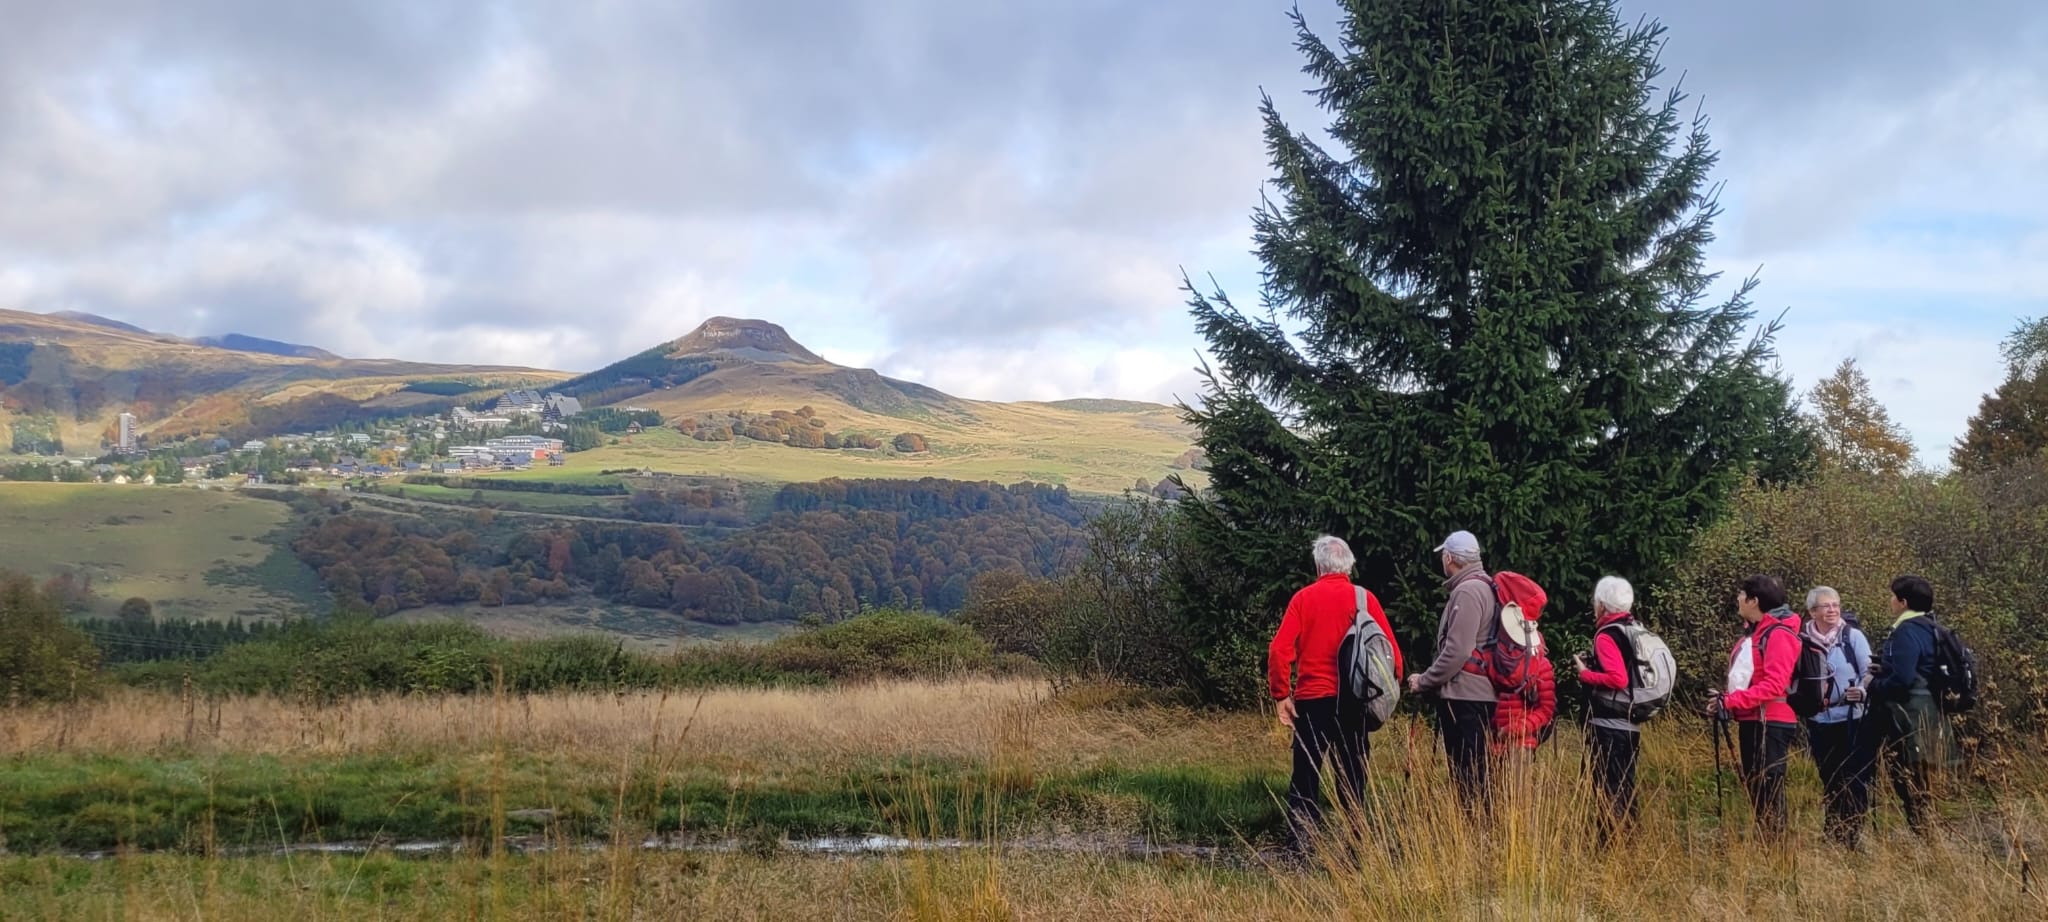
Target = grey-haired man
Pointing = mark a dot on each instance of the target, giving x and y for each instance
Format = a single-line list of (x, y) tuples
[(1465, 699)]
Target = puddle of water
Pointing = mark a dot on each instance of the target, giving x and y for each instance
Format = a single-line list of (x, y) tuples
[(849, 846)]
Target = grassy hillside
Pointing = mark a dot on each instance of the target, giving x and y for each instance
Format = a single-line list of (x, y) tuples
[(192, 553), (72, 378), (1095, 453)]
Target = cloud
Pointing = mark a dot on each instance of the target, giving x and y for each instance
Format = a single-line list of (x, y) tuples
[(996, 198)]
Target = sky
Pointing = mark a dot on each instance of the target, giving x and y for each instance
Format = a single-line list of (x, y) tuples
[(997, 199)]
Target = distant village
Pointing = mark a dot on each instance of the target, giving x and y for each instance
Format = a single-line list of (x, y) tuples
[(520, 429)]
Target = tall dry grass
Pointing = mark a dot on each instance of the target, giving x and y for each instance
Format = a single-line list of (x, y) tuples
[(1412, 852)]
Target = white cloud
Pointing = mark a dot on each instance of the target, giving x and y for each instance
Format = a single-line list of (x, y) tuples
[(996, 199), (1928, 379)]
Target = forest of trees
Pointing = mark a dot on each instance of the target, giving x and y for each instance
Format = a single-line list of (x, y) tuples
[(829, 548)]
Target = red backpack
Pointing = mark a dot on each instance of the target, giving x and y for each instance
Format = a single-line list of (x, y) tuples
[(1501, 656)]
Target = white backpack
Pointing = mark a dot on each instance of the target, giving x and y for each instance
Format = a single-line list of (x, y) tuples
[(1366, 663), (1652, 675)]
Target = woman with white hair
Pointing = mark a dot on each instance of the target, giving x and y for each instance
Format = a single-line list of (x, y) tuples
[(1613, 741), (1301, 670), (1845, 760)]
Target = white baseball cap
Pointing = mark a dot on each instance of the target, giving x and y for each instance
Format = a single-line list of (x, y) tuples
[(1461, 543)]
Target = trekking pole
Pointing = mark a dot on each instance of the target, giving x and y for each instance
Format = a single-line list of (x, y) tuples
[(1714, 733)]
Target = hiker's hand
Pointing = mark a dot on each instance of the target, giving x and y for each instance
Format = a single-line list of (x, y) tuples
[(1287, 711), (1415, 684), (1853, 695), (1712, 706)]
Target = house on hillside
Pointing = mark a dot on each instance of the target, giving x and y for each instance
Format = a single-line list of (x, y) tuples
[(521, 403), (560, 408)]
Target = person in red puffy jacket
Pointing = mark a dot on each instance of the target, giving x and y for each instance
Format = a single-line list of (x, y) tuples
[(1759, 674), (1522, 720)]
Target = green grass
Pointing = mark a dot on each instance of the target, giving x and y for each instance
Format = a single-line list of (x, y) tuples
[(85, 803), (192, 553)]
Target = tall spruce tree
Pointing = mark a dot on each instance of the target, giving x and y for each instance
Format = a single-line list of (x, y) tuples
[(1485, 309)]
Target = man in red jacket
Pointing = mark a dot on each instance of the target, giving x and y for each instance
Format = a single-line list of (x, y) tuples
[(1759, 674), (1305, 651)]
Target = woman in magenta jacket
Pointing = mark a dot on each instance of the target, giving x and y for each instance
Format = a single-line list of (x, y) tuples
[(1759, 674), (1612, 740)]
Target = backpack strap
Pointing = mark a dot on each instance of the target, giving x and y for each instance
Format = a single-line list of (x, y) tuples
[(1629, 662), (1849, 649), (1763, 641)]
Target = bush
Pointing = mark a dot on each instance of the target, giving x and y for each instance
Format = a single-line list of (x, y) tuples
[(910, 443), (1982, 539), (41, 657), (883, 644), (1107, 619), (354, 655)]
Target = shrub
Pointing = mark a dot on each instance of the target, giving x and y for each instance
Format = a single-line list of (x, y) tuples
[(1982, 539), (41, 657), (884, 643), (355, 655), (1109, 618), (910, 443)]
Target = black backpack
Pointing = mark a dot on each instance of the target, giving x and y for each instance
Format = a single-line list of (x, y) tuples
[(1807, 693), (1953, 677)]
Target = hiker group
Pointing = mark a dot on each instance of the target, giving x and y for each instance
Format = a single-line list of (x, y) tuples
[(1337, 674)]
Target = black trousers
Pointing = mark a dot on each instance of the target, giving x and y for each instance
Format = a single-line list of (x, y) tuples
[(1765, 750), (1846, 756), (1613, 757), (1910, 779), (1465, 726), (1318, 733)]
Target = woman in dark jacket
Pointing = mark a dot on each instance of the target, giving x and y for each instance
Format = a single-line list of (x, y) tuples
[(1904, 716)]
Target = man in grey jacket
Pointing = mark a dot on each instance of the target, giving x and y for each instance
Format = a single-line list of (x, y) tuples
[(1465, 699)]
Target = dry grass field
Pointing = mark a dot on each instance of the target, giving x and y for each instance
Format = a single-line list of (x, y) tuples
[(1088, 452), (943, 762)]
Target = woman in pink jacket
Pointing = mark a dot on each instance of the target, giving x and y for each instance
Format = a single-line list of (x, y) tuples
[(1612, 740), (1759, 674)]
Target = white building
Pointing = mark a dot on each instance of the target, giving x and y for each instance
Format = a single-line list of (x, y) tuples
[(126, 441), (529, 447)]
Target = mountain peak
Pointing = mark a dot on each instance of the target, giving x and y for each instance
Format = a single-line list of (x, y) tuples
[(755, 340), (98, 321)]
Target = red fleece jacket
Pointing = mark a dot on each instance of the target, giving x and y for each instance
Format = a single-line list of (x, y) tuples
[(1613, 671), (1764, 699), (1310, 633)]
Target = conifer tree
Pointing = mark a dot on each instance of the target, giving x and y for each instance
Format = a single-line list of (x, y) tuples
[(1486, 308)]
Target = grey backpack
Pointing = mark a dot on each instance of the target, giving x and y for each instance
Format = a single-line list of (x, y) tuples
[(1652, 675), (1365, 664)]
